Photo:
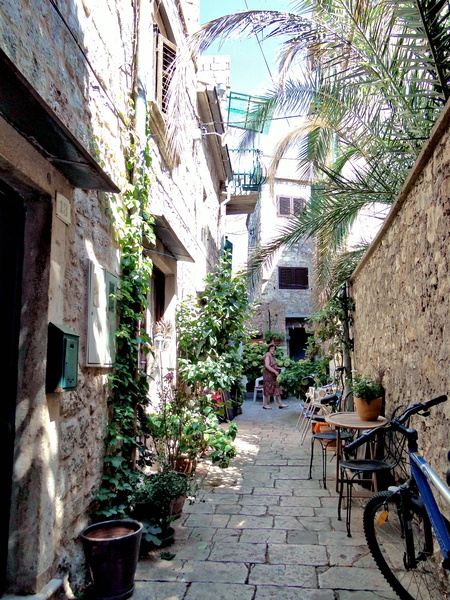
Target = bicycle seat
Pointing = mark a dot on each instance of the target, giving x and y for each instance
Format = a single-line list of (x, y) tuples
[(331, 399)]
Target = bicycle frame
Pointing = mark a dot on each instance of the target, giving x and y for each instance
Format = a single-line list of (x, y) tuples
[(423, 475)]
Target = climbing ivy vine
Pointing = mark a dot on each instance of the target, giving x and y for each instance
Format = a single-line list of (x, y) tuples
[(128, 383)]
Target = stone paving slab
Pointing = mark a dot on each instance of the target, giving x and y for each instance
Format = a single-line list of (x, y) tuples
[(261, 530)]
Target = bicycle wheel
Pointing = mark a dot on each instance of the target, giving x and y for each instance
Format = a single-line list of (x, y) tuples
[(384, 529)]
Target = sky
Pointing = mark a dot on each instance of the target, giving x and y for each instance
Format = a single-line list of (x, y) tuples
[(249, 71), (250, 66)]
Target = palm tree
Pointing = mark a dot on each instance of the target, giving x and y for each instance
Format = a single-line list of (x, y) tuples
[(371, 78)]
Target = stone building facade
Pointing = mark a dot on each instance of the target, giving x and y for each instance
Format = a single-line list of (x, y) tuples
[(401, 293), (80, 82), (283, 291)]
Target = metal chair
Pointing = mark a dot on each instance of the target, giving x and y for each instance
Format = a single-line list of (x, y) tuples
[(304, 407), (314, 412), (326, 438), (382, 458)]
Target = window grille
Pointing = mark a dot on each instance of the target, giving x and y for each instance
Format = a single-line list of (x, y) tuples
[(293, 278), (165, 53)]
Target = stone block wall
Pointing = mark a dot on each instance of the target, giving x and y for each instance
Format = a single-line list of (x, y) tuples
[(80, 56), (401, 292), (275, 305)]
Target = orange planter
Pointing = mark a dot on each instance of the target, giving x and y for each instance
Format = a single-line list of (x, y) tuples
[(368, 412)]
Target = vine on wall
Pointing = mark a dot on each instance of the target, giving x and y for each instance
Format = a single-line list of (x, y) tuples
[(129, 383)]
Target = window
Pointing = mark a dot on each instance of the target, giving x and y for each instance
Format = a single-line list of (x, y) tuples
[(165, 53), (293, 278), (288, 207)]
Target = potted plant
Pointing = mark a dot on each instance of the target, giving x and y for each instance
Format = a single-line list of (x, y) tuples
[(368, 396), (158, 500), (274, 336)]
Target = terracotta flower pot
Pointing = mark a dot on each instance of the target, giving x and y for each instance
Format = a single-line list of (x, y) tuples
[(368, 412), (184, 464)]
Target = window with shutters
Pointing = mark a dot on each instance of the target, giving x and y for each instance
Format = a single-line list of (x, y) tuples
[(288, 206), (165, 53), (293, 278)]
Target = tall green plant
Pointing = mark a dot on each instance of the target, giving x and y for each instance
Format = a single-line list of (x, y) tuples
[(210, 330), (128, 383)]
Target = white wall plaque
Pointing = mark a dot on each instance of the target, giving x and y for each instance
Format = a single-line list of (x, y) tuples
[(63, 208)]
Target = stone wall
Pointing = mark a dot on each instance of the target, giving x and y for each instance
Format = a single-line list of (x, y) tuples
[(401, 292), (80, 57)]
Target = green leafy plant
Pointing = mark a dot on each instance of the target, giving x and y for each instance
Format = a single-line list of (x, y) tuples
[(292, 377), (128, 383), (152, 502), (366, 387), (210, 331), (162, 487), (187, 425), (269, 335)]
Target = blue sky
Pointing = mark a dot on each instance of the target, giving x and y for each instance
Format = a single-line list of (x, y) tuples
[(248, 68)]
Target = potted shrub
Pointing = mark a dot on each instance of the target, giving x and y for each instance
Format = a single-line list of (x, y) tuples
[(294, 377), (158, 500), (274, 336), (367, 396)]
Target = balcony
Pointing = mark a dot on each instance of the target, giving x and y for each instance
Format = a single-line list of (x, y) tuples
[(249, 174)]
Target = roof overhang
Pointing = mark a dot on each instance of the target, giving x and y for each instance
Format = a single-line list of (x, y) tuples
[(23, 108), (171, 241)]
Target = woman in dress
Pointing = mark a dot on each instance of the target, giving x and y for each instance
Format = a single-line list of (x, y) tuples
[(270, 374)]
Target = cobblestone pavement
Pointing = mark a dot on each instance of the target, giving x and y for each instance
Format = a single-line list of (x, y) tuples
[(261, 530)]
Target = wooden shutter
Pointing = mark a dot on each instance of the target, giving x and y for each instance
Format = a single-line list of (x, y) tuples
[(284, 206), (298, 205), (293, 278)]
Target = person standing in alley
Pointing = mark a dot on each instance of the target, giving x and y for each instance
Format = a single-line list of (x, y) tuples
[(270, 374)]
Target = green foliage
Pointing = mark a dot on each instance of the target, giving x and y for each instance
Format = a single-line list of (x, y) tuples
[(327, 324), (222, 447), (270, 335), (292, 378), (128, 384), (366, 388), (187, 425), (210, 330), (162, 487)]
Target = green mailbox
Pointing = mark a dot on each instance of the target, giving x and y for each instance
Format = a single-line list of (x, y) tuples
[(62, 359)]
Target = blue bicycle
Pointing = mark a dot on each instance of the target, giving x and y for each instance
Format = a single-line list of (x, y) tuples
[(402, 524)]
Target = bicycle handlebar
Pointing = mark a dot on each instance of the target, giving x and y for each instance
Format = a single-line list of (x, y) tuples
[(411, 410)]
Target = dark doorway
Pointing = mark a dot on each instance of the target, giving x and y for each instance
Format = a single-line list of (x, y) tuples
[(298, 339), (12, 222), (159, 282)]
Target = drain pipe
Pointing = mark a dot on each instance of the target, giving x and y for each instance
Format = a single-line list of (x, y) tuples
[(144, 43), (346, 346)]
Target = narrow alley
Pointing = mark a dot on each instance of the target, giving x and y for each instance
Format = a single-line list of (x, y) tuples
[(262, 530)]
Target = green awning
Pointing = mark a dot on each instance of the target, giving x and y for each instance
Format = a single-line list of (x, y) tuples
[(253, 113)]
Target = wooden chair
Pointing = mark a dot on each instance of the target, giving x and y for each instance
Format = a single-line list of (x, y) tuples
[(304, 407)]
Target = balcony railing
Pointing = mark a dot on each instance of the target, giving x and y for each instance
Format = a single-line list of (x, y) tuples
[(249, 173)]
